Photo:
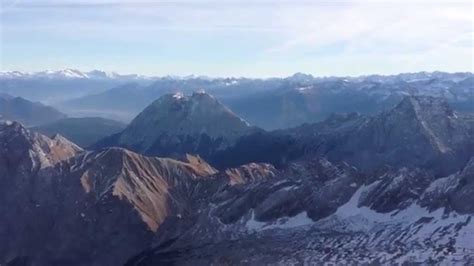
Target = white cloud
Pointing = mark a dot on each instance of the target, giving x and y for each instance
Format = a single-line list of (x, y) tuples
[(366, 27)]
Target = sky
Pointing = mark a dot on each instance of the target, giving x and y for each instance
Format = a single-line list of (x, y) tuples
[(258, 38)]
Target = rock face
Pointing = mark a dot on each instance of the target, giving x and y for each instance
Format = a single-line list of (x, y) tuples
[(454, 192), (418, 132), (252, 172), (395, 190), (61, 205), (148, 184), (178, 124), (26, 112), (25, 152), (307, 186)]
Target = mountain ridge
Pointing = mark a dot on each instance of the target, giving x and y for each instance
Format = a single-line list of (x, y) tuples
[(27, 112)]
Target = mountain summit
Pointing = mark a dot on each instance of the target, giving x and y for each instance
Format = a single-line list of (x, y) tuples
[(179, 124)]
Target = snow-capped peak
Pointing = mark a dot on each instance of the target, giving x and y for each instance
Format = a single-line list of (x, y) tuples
[(68, 74), (178, 95)]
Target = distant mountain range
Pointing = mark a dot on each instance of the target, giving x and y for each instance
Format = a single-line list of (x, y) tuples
[(58, 86), (27, 112), (271, 103), (285, 102), (68, 74), (395, 187)]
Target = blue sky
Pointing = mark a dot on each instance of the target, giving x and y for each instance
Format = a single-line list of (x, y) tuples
[(257, 38)]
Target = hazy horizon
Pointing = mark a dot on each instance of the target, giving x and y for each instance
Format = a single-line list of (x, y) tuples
[(193, 75)]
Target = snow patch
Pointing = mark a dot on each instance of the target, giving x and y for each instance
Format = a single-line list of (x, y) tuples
[(444, 184), (414, 224), (245, 122), (178, 95), (303, 89), (288, 188), (298, 220), (233, 82)]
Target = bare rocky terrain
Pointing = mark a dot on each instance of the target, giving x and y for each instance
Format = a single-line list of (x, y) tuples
[(395, 187)]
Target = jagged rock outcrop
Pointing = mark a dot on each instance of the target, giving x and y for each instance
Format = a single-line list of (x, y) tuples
[(25, 152), (154, 187), (251, 172), (396, 190), (454, 192), (315, 186)]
